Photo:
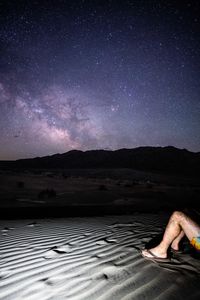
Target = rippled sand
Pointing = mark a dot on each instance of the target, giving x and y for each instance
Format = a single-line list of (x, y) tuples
[(91, 258)]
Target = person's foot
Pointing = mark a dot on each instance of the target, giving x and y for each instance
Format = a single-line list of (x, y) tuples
[(154, 252)]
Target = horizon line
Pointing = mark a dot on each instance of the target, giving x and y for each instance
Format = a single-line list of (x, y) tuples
[(99, 149)]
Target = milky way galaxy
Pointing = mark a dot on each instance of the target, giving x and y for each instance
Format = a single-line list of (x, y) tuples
[(98, 75)]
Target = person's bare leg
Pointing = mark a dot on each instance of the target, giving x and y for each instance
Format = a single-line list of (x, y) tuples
[(176, 241), (172, 230), (178, 222)]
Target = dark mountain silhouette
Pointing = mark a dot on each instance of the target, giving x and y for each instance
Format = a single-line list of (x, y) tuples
[(160, 159)]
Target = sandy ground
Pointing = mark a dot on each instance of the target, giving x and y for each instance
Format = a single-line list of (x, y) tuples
[(91, 258)]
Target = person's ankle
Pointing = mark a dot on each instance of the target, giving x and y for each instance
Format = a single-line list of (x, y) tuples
[(162, 248)]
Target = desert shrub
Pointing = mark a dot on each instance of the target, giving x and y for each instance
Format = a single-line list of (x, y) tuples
[(64, 175), (102, 187), (134, 183), (50, 175), (37, 172), (20, 184), (128, 185), (47, 193), (149, 185)]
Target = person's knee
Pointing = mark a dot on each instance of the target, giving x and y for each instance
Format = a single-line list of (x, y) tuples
[(178, 215)]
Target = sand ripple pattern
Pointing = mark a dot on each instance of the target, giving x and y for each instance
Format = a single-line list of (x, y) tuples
[(90, 258)]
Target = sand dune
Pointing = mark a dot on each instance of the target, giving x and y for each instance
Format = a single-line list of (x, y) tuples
[(91, 258)]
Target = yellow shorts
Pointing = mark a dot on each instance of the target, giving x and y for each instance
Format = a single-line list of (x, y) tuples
[(196, 242)]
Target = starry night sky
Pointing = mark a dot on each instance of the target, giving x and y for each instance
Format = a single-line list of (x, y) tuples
[(98, 75)]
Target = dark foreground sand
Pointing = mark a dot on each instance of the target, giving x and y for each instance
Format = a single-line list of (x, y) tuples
[(91, 258)]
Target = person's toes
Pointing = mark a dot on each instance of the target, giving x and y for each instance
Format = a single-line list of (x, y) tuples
[(146, 253)]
